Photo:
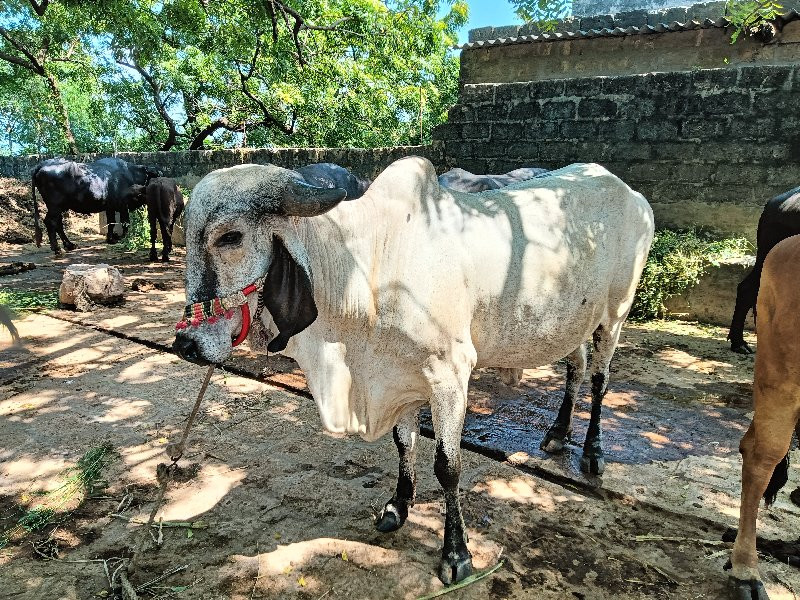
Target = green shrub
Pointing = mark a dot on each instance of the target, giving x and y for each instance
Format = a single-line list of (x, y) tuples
[(677, 261), (28, 301), (138, 237)]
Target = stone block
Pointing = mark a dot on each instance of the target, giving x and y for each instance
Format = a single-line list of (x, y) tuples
[(558, 109), (597, 107), (83, 285), (713, 298)]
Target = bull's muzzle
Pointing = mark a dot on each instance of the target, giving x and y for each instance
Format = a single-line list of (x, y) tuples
[(187, 349)]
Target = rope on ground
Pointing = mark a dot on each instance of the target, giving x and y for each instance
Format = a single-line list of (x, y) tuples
[(120, 580)]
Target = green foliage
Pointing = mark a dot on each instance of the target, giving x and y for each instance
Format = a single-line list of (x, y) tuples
[(138, 236), (545, 13), (178, 74), (747, 16), (677, 261), (28, 301)]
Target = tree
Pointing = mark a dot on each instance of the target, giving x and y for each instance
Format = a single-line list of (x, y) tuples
[(46, 44), (190, 74)]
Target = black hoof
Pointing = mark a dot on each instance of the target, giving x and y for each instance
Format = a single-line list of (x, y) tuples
[(795, 497), (153, 256), (742, 347), (556, 438), (746, 590), (455, 567), (593, 461), (392, 517), (165, 259), (69, 247)]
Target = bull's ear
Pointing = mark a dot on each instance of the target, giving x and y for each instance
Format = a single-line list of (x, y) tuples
[(287, 295), (301, 199)]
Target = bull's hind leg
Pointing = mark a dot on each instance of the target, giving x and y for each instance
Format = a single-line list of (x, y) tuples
[(68, 245), (605, 339), (763, 448), (51, 224), (561, 429), (153, 235), (395, 511)]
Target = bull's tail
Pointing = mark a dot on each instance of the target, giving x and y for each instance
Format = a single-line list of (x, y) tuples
[(779, 478), (37, 229), (6, 317)]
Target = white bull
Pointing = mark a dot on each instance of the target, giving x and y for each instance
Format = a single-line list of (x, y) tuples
[(388, 303)]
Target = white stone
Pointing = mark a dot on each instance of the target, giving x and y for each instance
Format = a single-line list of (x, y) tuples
[(84, 285)]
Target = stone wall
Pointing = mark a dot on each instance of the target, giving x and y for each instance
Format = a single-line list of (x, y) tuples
[(187, 168), (702, 48), (706, 147)]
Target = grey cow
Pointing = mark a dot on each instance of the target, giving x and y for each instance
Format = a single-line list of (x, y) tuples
[(464, 181)]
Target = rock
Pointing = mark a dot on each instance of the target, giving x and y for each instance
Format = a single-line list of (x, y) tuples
[(85, 285), (15, 268)]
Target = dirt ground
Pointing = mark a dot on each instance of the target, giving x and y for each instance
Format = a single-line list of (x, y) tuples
[(286, 504)]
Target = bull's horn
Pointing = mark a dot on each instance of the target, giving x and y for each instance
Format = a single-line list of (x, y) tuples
[(304, 200)]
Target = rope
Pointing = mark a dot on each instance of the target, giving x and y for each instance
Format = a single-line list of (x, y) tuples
[(164, 473)]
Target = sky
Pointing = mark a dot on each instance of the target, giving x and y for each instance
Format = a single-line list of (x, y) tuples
[(488, 12)]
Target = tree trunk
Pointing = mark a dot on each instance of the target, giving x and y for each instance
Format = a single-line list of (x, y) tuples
[(61, 109)]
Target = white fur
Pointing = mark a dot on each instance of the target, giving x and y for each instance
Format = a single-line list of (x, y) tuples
[(416, 284)]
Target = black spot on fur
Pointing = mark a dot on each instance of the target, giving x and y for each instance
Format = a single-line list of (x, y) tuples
[(779, 478)]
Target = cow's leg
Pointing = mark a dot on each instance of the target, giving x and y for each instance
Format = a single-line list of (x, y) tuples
[(795, 495), (51, 223), (746, 296), (395, 511), (68, 245), (111, 218), (561, 429), (125, 219), (763, 448), (153, 252), (448, 407), (166, 238), (605, 342)]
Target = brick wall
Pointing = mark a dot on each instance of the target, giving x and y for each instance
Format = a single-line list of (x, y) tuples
[(706, 147)]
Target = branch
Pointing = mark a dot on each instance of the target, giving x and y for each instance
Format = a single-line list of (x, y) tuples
[(39, 7), (224, 123), (268, 117), (34, 65), (155, 90), (287, 12)]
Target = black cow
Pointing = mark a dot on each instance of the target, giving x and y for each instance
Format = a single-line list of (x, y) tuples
[(464, 181), (779, 220), (329, 175), (84, 188), (164, 205)]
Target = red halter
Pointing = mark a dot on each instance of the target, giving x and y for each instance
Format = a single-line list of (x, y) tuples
[(211, 310)]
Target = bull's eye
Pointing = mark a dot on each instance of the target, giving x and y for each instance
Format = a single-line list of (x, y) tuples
[(232, 238)]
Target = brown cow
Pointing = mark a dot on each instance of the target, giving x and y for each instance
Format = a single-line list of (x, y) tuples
[(776, 400)]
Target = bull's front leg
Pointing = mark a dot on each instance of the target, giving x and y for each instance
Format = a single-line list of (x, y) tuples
[(395, 511), (448, 407)]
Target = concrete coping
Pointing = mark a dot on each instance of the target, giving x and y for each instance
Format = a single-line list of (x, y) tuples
[(714, 11)]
